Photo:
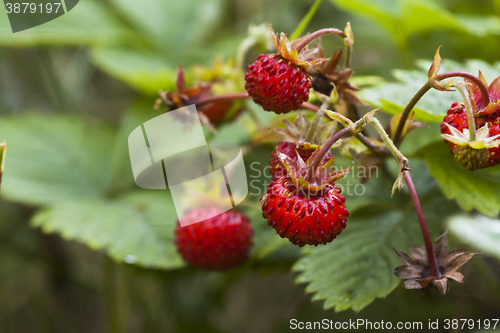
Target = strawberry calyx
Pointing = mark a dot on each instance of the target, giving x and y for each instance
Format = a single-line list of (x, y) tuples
[(297, 51), (307, 135), (472, 154), (311, 182)]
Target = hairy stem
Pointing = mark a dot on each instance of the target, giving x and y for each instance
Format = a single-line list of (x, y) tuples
[(3, 147), (400, 158), (407, 110), (241, 95), (318, 158), (468, 110), (310, 106), (373, 147), (485, 97), (329, 31), (434, 270)]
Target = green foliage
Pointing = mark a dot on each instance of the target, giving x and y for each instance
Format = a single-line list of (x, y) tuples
[(407, 17), (80, 171), (393, 97), (479, 190), (136, 229), (478, 231), (55, 158), (146, 72), (91, 25), (358, 266)]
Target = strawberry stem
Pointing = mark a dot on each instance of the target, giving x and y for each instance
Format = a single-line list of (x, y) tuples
[(468, 110), (434, 270), (485, 97), (3, 147), (307, 39), (324, 150), (407, 110), (242, 95)]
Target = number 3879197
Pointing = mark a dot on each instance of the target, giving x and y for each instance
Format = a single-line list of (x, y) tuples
[(32, 8)]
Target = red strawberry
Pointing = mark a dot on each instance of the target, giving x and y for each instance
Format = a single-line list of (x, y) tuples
[(217, 243), (489, 116), (304, 205), (279, 81), (277, 84), (304, 219)]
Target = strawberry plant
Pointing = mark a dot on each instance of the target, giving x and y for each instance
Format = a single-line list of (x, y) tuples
[(376, 195)]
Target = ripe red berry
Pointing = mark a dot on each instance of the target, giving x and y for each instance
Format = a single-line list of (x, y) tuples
[(217, 243), (277, 84), (302, 217), (289, 149)]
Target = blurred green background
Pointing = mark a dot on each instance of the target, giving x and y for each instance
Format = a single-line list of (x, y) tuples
[(73, 89)]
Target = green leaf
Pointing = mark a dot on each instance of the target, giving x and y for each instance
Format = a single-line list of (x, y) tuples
[(305, 21), (393, 97), (358, 266), (478, 231), (137, 229), (55, 158), (90, 23), (145, 72), (479, 190), (174, 26), (407, 17)]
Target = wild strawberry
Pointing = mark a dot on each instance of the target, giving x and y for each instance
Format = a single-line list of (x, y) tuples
[(216, 243), (302, 137), (303, 219), (485, 150), (305, 208), (279, 82), (276, 84)]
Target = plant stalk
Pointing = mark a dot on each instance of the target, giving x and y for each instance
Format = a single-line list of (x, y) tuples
[(407, 110), (3, 147), (319, 157), (329, 31), (241, 95), (468, 110), (434, 269), (485, 96)]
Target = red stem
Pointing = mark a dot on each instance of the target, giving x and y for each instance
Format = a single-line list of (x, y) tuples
[(241, 95), (330, 31), (485, 97), (310, 106), (434, 270), (318, 158)]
